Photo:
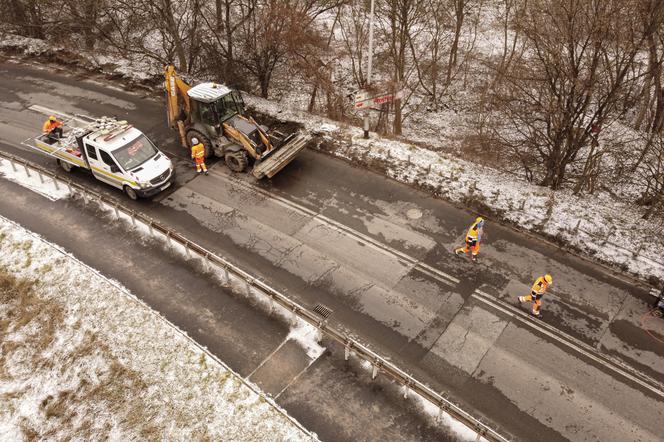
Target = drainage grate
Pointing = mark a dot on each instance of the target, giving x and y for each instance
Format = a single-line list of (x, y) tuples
[(323, 311)]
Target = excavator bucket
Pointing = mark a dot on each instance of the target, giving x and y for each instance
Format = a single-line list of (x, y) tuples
[(281, 156)]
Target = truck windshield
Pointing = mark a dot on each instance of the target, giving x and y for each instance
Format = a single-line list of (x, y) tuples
[(135, 153)]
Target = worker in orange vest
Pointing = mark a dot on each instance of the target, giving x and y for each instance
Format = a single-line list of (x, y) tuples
[(198, 155), (52, 128), (536, 292), (473, 239)]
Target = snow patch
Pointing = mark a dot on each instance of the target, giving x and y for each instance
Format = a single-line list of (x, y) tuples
[(454, 426), (308, 337), (43, 186)]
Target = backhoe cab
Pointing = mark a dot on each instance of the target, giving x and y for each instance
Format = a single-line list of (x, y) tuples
[(216, 116)]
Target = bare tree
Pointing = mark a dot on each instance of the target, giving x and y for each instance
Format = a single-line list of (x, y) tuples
[(400, 19), (275, 30), (574, 77), (163, 30)]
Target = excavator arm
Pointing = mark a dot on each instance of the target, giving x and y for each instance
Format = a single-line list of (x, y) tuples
[(177, 101)]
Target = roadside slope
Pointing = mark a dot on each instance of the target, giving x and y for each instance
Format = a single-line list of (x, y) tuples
[(82, 358)]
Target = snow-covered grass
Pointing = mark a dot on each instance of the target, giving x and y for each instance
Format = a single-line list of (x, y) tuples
[(82, 358), (30, 179)]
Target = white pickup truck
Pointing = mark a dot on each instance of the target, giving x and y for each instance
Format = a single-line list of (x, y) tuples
[(114, 151)]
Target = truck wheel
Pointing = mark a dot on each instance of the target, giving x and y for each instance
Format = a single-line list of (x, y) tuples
[(236, 161), (131, 193), (67, 167), (202, 139)]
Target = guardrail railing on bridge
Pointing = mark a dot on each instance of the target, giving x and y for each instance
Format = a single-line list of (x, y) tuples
[(210, 260)]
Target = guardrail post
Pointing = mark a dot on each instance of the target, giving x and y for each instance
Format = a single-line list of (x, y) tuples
[(27, 172), (169, 240), (347, 349), (186, 250), (133, 218), (206, 263), (41, 178), (85, 197), (11, 161), (226, 278), (294, 316), (117, 211), (608, 235), (406, 390), (69, 187), (638, 251), (55, 183), (271, 305), (374, 371), (151, 230)]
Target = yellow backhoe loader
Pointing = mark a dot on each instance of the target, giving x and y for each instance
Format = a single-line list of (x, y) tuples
[(215, 115)]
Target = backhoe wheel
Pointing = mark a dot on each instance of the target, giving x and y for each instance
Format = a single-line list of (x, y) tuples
[(67, 167), (201, 139), (237, 161), (131, 193)]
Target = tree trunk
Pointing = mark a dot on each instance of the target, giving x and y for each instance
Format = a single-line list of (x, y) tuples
[(167, 13), (452, 61), (397, 117)]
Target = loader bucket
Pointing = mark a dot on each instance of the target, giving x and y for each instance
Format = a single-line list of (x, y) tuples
[(280, 157)]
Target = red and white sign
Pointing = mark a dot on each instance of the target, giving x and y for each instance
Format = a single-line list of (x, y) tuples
[(363, 100)]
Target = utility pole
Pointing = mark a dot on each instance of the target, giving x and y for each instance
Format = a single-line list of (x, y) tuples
[(370, 57)]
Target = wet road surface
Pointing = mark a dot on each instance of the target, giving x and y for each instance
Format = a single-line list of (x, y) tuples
[(378, 253)]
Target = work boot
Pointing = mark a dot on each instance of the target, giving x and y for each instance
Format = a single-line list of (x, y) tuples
[(473, 258), (206, 172), (538, 315)]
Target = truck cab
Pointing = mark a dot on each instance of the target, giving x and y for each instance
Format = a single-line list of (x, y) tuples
[(127, 159)]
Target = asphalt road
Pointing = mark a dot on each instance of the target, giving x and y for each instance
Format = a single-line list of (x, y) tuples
[(379, 254)]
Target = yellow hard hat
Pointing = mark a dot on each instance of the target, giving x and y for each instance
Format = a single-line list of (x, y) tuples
[(52, 118), (548, 279), (479, 219)]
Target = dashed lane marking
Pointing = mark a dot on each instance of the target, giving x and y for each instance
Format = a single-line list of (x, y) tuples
[(341, 228), (572, 342)]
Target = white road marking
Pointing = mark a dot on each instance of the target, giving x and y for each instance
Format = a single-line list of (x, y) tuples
[(572, 342), (17, 146), (267, 358), (341, 228), (64, 115)]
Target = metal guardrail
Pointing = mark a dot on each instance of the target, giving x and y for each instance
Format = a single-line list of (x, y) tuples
[(378, 363)]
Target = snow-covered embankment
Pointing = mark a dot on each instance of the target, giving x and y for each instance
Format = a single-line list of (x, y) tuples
[(82, 358)]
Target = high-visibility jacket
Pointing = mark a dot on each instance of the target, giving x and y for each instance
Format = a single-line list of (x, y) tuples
[(198, 151), (50, 125), (474, 233), (539, 287)]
